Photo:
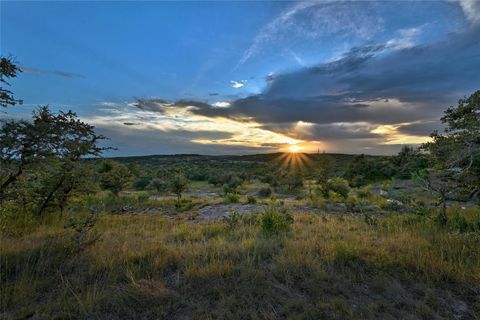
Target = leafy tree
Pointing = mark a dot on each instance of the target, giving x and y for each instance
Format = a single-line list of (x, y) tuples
[(61, 136), (231, 184), (456, 153), (8, 69), (114, 176), (294, 181), (323, 174), (178, 185), (141, 183), (409, 161), (158, 184), (458, 148)]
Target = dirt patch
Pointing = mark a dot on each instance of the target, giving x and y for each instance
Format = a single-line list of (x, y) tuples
[(219, 211)]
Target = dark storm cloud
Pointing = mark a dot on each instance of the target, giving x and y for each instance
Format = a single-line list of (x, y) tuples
[(372, 83), (422, 128), (331, 132), (425, 79)]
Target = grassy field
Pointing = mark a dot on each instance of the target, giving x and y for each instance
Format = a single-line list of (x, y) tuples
[(323, 267)]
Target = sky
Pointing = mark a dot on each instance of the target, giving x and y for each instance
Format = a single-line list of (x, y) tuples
[(246, 77)]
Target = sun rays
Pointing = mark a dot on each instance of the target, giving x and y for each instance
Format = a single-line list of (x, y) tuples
[(294, 159)]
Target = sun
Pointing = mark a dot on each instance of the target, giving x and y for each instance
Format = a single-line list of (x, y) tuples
[(294, 148)]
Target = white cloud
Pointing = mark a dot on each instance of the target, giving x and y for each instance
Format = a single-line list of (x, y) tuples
[(406, 38), (221, 104), (471, 9), (238, 84)]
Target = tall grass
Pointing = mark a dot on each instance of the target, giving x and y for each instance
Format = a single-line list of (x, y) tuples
[(334, 267)]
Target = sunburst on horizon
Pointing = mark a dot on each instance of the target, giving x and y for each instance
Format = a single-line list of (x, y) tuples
[(294, 148)]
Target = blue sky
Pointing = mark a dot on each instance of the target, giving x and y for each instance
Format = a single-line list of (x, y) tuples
[(243, 77)]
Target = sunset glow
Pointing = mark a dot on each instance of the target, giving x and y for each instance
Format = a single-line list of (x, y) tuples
[(294, 148)]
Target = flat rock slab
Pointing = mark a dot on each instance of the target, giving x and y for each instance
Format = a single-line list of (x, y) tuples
[(224, 210)]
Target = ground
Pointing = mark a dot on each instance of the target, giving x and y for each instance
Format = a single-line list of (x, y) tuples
[(328, 266)]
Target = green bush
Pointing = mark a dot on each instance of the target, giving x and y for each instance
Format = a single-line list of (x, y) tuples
[(251, 199), (364, 192), (141, 183), (233, 220), (143, 197), (339, 186), (183, 204), (231, 198), (274, 221)]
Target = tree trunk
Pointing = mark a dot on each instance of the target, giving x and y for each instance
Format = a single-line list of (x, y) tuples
[(11, 179), (50, 196)]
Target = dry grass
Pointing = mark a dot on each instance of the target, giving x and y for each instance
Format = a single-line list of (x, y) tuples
[(332, 267)]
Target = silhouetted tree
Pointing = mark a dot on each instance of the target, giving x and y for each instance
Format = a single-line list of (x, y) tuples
[(62, 136), (8, 69)]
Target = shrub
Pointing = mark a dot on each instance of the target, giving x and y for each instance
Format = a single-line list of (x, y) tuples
[(143, 197), (364, 192), (178, 185), (265, 192), (231, 198), (251, 199), (463, 222), (274, 221), (233, 220), (340, 186), (370, 220), (183, 204), (141, 183)]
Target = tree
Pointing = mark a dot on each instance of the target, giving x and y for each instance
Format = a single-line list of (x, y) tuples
[(158, 184), (409, 161), (455, 154), (114, 176), (339, 186), (458, 149), (62, 136), (323, 174), (8, 69), (178, 185)]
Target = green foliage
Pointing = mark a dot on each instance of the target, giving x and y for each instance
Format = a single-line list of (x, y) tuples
[(339, 186), (370, 220), (456, 152), (158, 184), (8, 69), (141, 183), (114, 176), (232, 220), (323, 174), (231, 198), (294, 181), (251, 199), (362, 170), (275, 221), (364, 192), (178, 185), (409, 161), (231, 184), (182, 205), (460, 221)]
